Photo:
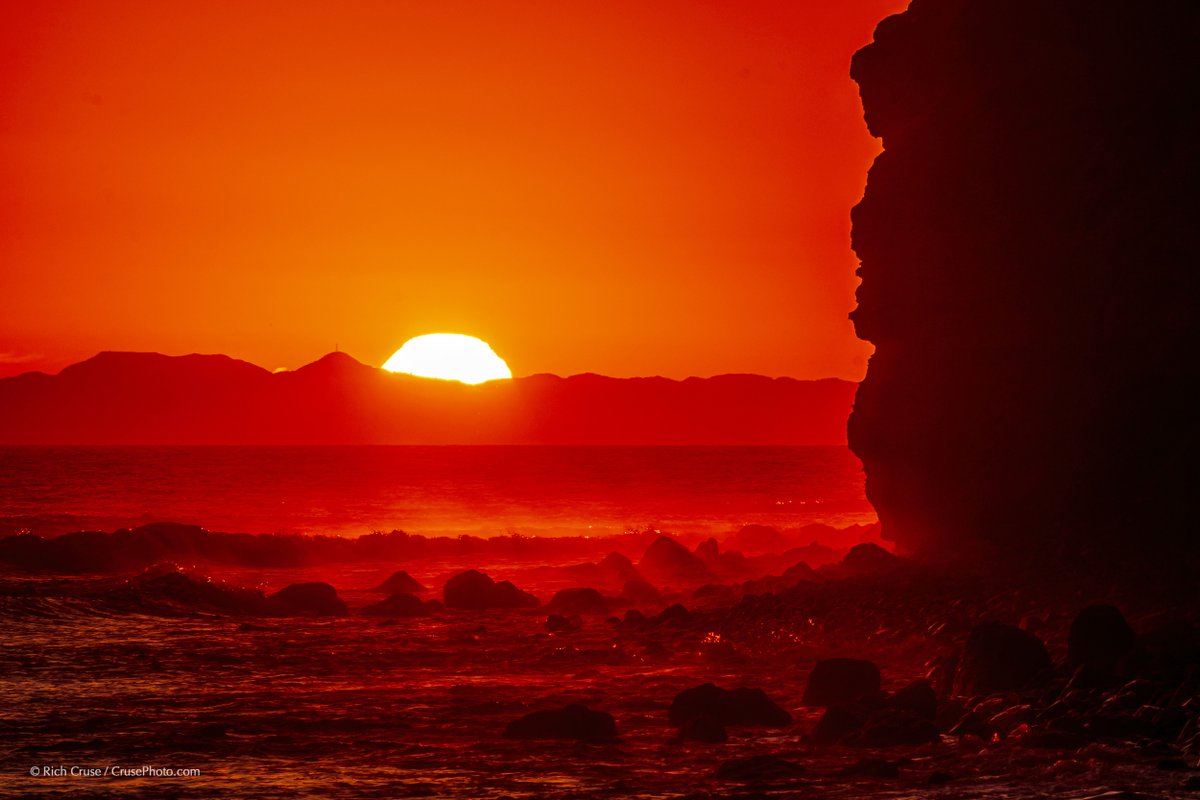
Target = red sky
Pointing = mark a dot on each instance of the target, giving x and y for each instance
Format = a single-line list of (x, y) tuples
[(629, 188)]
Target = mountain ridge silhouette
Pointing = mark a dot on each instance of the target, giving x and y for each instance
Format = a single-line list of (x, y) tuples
[(119, 397)]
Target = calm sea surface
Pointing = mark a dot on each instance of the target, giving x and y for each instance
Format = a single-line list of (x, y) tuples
[(432, 490)]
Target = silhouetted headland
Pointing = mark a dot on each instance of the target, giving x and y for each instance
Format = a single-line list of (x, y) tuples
[(1029, 251)]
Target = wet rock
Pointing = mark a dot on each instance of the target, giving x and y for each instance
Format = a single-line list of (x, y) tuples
[(641, 593), (633, 618), (1002, 658), (708, 550), (473, 590), (714, 592), (1172, 648), (168, 589), (400, 604), (869, 558), (400, 581), (972, 724), (917, 697), (1100, 637), (618, 567), (839, 681), (891, 727), (557, 623), (666, 559), (800, 571), (506, 595), (757, 539), (576, 721), (703, 729), (758, 769), (309, 599), (675, 614), (728, 707), (583, 601), (871, 768), (836, 725)]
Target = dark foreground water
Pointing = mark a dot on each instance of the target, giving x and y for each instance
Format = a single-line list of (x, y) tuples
[(430, 490), (212, 706)]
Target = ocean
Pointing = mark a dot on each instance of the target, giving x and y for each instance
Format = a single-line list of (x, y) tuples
[(477, 490)]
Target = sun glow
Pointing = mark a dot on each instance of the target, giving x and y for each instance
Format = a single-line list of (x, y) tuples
[(449, 356)]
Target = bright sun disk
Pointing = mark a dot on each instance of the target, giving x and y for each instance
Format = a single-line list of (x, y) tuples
[(449, 356)]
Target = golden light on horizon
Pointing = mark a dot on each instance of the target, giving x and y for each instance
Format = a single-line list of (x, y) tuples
[(449, 356)]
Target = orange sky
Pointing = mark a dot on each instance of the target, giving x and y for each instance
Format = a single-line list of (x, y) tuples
[(630, 188)]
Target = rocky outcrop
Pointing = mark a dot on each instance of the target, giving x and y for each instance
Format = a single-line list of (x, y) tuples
[(474, 591), (314, 599), (575, 721), (741, 706), (400, 581), (1028, 263), (836, 681), (400, 604), (669, 561), (581, 601)]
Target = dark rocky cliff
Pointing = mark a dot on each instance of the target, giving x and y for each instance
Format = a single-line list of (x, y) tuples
[(1028, 250)]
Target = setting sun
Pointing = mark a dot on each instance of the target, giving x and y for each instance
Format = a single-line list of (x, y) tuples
[(449, 356)]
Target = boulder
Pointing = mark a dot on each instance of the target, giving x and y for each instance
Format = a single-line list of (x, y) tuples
[(506, 595), (575, 721), (893, 727), (309, 599), (708, 551), (758, 769), (840, 681), (400, 581), (617, 567), (674, 614), (1099, 638), (400, 604), (1002, 658), (473, 590), (917, 697), (703, 729), (578, 601), (869, 558), (727, 707), (557, 623), (758, 539), (668, 560), (836, 724), (641, 592)]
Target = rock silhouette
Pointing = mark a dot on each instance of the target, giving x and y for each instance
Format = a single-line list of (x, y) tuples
[(839, 681), (311, 599), (576, 721), (1028, 255), (1002, 658), (727, 707), (400, 604), (474, 591), (1100, 636), (400, 581), (582, 601), (667, 560)]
